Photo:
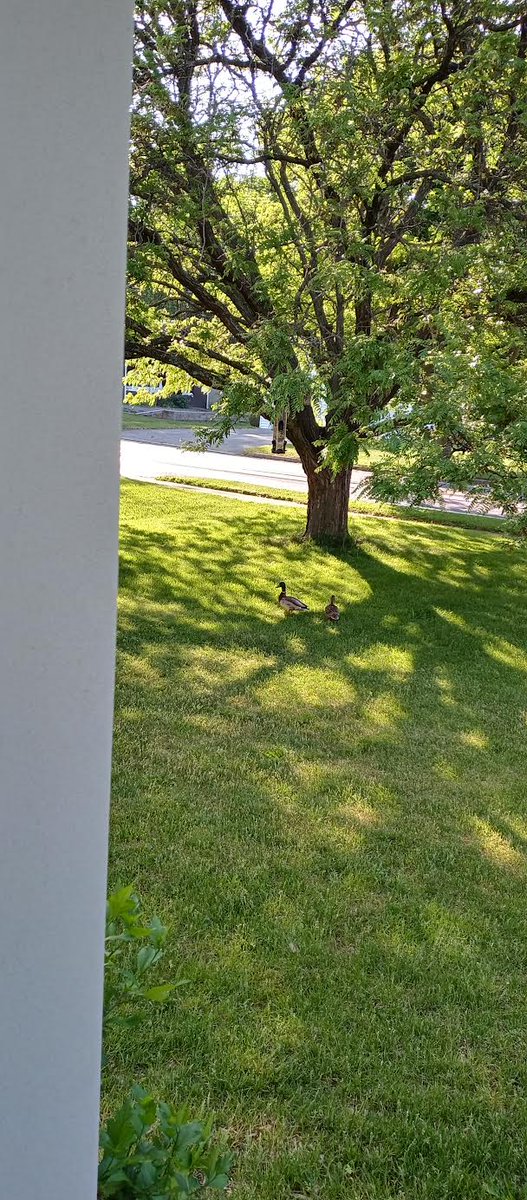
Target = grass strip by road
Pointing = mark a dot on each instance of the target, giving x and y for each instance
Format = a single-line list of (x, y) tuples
[(427, 516), (333, 824), (369, 454), (145, 421), (132, 420), (267, 452)]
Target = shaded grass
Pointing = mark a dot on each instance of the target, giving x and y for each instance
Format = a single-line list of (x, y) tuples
[(428, 516), (333, 822)]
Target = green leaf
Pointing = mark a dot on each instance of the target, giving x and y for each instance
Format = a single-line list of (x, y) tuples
[(183, 1183), (160, 993), (146, 956), (122, 903)]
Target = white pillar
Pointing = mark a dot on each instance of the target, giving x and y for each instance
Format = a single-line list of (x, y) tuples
[(64, 97)]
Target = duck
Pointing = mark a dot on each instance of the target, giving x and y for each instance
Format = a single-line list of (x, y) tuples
[(332, 611), (290, 603)]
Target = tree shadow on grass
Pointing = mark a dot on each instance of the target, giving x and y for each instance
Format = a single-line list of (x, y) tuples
[(333, 821)]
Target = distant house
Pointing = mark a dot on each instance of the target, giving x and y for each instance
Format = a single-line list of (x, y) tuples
[(200, 396)]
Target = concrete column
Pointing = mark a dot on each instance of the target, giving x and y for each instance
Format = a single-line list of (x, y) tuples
[(64, 98)]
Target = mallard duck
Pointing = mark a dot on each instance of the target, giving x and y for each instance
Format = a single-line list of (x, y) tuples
[(331, 610), (290, 603)]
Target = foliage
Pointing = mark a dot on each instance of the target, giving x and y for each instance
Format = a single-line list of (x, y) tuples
[(149, 1150), (146, 373), (133, 947), (176, 399), (141, 397), (153, 1151), (328, 213), (468, 430)]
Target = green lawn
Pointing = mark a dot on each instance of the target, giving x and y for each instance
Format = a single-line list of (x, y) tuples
[(428, 516), (132, 420), (333, 821), (145, 421), (267, 452), (368, 454)]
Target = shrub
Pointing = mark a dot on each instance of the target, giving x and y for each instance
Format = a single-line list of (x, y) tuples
[(176, 400), (132, 948), (149, 1150), (153, 1151)]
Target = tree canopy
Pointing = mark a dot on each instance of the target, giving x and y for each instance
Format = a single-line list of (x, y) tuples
[(328, 216)]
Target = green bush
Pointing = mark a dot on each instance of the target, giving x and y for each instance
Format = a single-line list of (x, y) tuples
[(176, 400), (149, 1150), (132, 948), (153, 1151)]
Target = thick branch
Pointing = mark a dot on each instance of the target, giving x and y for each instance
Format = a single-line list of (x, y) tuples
[(142, 234), (139, 343)]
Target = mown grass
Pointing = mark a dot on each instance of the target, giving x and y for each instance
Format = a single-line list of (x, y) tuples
[(133, 420), (145, 421), (369, 453), (267, 452), (333, 821), (429, 516)]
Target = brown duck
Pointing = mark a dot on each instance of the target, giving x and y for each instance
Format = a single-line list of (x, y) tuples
[(331, 610)]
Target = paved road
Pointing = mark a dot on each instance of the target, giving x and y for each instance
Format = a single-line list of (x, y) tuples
[(236, 443), (147, 459), (146, 454)]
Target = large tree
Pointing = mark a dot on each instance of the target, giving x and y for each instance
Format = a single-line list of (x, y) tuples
[(327, 220)]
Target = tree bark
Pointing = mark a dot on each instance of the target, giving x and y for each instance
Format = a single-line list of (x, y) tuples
[(327, 506), (328, 495)]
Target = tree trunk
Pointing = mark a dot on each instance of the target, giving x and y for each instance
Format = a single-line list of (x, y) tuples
[(327, 506), (328, 495)]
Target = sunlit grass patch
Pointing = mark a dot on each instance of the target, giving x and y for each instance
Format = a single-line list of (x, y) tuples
[(333, 822)]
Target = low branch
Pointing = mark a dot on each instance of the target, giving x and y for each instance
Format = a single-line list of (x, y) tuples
[(143, 235), (140, 344), (233, 363)]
